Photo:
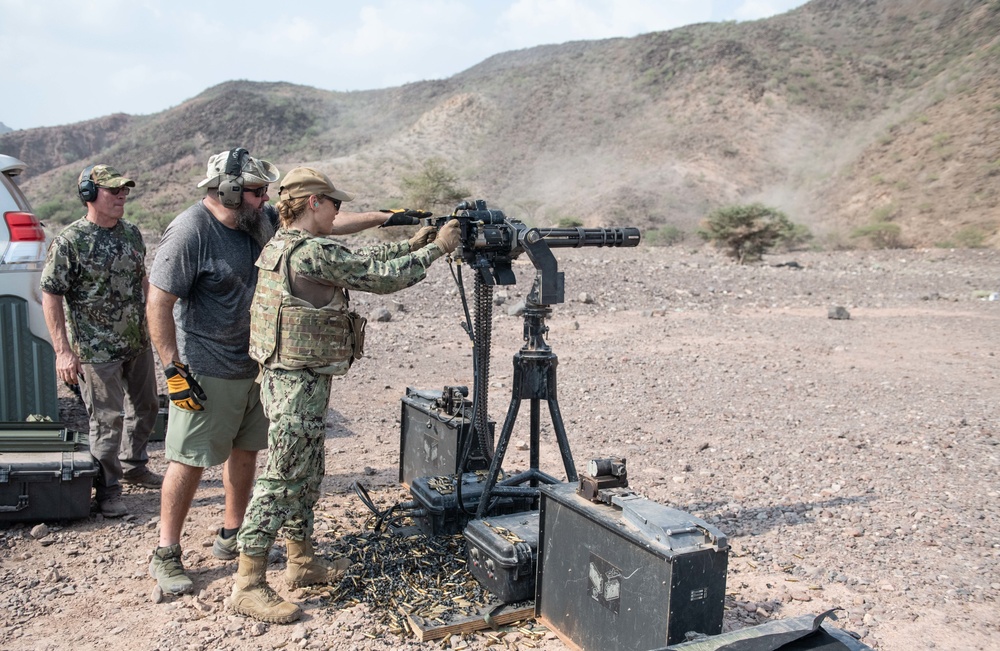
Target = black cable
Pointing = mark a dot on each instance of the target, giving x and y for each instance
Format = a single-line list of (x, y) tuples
[(416, 513), (467, 325), (382, 516)]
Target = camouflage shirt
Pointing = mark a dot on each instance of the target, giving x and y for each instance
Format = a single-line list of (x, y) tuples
[(379, 269), (99, 271)]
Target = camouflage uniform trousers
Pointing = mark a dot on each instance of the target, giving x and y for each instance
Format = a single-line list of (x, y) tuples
[(120, 450), (288, 488)]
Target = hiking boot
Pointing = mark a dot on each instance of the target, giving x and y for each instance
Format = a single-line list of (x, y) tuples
[(143, 477), (304, 568), (168, 570), (253, 597), (225, 548), (113, 507)]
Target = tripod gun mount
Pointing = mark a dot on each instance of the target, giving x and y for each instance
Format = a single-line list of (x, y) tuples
[(489, 243)]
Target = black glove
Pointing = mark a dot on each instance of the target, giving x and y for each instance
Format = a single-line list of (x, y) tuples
[(404, 217), (185, 392)]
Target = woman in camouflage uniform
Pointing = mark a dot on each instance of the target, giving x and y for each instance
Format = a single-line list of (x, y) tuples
[(303, 333)]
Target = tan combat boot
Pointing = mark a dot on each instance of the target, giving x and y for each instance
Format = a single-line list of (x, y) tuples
[(253, 597), (305, 569)]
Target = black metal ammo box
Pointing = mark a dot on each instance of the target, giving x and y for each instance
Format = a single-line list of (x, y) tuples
[(46, 473), (434, 425), (626, 572)]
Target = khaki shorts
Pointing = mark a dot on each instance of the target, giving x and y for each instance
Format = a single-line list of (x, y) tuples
[(232, 418)]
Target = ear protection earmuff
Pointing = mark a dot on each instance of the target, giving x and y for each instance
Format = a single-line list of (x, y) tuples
[(87, 188), (231, 186)]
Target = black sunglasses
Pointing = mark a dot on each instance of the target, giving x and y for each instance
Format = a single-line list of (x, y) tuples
[(117, 191), (257, 192), (336, 202)]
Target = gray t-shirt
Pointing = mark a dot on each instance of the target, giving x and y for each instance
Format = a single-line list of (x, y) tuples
[(210, 268)]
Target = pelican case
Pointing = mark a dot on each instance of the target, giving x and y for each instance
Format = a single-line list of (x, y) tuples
[(622, 572), (444, 515), (46, 473), (502, 552)]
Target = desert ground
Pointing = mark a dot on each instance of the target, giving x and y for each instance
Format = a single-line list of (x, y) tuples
[(853, 463)]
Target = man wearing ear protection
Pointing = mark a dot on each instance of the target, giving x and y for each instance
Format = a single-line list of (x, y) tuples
[(93, 296), (201, 285)]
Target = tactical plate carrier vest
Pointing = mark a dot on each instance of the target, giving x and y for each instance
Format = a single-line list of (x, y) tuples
[(289, 333)]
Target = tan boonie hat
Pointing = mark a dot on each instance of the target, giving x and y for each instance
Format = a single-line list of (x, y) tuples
[(304, 181), (105, 176), (256, 172)]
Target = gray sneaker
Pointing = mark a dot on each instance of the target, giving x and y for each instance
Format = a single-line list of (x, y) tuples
[(113, 507), (168, 570), (225, 548)]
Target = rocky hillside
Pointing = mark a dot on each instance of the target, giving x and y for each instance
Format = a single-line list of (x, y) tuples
[(843, 113)]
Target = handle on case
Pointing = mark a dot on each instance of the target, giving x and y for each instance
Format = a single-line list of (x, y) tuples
[(22, 501)]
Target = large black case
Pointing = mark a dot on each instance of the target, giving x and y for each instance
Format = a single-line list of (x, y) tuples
[(46, 473), (433, 426), (445, 515), (502, 553), (629, 574)]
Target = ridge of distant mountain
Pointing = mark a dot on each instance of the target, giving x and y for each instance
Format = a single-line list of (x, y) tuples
[(842, 113)]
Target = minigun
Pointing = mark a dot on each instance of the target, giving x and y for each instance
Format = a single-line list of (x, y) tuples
[(490, 241)]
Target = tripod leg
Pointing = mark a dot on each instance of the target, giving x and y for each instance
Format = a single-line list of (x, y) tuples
[(502, 441), (567, 456), (535, 440)]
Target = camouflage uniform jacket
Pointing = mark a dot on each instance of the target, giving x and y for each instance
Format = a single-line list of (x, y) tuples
[(99, 273), (287, 332)]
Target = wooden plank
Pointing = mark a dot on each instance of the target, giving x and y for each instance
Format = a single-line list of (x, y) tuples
[(424, 630)]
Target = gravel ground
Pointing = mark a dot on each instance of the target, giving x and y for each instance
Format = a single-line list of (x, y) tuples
[(853, 462)]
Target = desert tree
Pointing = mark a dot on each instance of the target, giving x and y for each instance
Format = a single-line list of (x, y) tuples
[(433, 185), (746, 232)]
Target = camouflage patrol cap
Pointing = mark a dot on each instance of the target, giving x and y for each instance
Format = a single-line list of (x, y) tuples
[(105, 176), (304, 181), (255, 172)]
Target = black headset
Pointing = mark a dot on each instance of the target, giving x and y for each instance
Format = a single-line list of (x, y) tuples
[(87, 188), (231, 185)]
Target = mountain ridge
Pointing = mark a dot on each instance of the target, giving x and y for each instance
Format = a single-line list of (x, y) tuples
[(840, 113)]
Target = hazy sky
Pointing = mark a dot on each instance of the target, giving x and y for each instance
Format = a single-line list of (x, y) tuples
[(62, 61)]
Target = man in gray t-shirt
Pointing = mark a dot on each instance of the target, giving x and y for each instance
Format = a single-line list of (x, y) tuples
[(201, 285), (210, 268)]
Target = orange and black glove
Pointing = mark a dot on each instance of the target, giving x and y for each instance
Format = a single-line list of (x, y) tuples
[(404, 217), (185, 392)]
